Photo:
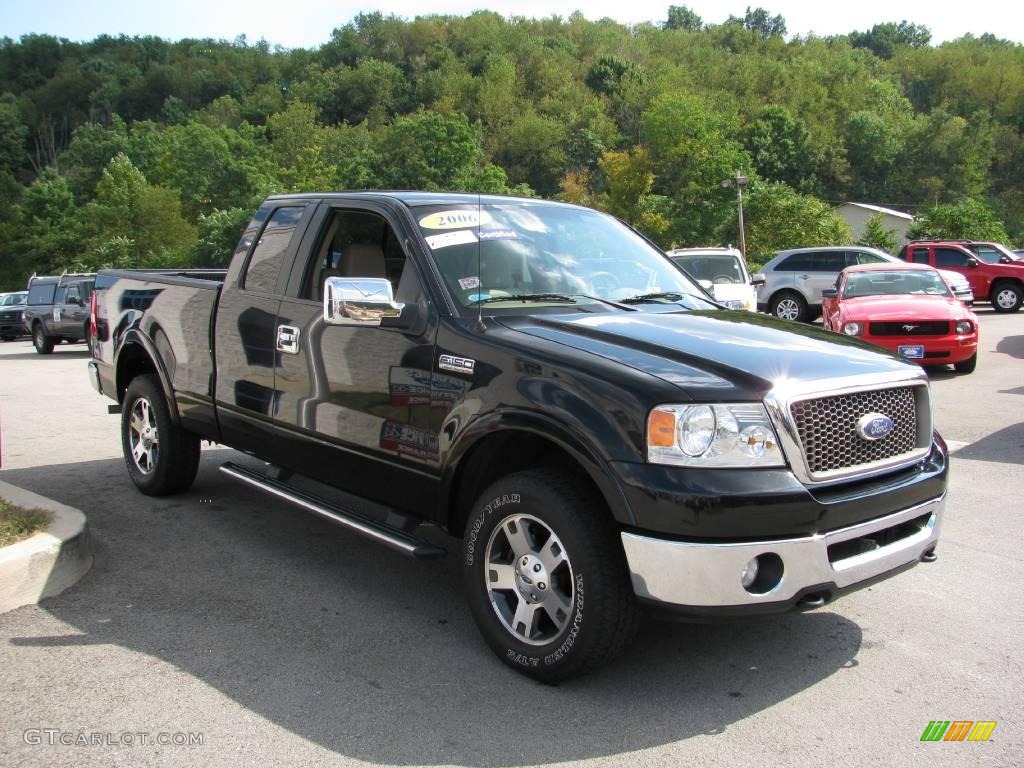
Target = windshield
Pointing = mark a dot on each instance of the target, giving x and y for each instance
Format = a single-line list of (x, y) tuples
[(715, 268), (527, 255), (895, 283), (13, 298)]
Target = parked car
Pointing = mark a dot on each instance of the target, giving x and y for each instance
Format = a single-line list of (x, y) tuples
[(907, 308), (794, 279), (1001, 284), (11, 307), (57, 309), (546, 386), (1018, 254), (722, 272)]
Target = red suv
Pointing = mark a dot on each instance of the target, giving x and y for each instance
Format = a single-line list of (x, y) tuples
[(1001, 284)]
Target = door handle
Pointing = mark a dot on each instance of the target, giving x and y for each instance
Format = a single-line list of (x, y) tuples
[(288, 339), (804, 277)]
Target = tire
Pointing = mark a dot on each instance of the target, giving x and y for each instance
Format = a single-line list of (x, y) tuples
[(1006, 297), (789, 305), (162, 458), (968, 365), (555, 543), (42, 342)]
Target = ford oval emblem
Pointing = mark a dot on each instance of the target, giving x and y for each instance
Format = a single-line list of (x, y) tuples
[(874, 426)]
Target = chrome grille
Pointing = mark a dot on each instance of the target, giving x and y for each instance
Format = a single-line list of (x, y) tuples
[(828, 435)]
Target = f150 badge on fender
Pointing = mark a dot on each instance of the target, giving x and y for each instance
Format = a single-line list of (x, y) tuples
[(453, 363)]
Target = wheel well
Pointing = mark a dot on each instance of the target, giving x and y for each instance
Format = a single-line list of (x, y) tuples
[(783, 291), (132, 362), (499, 455), (999, 281)]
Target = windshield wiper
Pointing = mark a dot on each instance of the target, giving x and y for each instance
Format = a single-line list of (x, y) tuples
[(560, 297), (645, 297)]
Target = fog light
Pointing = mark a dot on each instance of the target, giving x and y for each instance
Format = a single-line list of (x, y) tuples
[(749, 575)]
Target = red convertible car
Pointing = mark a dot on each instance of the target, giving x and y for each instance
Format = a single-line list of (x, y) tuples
[(907, 308)]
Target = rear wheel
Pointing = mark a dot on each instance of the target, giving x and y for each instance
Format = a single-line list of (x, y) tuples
[(162, 458), (1006, 297), (789, 305), (546, 576), (42, 342), (968, 365)]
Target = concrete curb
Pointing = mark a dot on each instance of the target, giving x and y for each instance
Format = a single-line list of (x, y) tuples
[(47, 563)]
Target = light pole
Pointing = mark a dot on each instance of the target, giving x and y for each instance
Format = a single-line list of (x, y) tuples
[(739, 181)]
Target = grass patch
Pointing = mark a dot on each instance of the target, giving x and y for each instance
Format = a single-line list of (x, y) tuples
[(17, 523)]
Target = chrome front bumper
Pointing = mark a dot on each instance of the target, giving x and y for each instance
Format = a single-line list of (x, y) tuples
[(704, 575)]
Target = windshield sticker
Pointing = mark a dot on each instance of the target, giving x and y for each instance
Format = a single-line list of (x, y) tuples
[(446, 239), (453, 219), (499, 234), (469, 282)]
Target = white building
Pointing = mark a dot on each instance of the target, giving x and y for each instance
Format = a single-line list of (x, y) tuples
[(857, 215)]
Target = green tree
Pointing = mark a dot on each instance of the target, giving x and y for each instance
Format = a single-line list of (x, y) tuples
[(876, 235), (780, 147), (966, 220), (681, 17), (628, 179), (884, 39), (776, 218)]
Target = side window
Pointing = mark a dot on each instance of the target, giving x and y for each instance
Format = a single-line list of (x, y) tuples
[(41, 293), (950, 257), (859, 257), (264, 265), (794, 263), (62, 295), (919, 256), (828, 261), (73, 294), (354, 244)]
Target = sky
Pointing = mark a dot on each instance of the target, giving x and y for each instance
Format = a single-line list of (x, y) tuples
[(308, 24)]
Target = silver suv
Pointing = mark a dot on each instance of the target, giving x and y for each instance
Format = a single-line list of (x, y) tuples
[(794, 279)]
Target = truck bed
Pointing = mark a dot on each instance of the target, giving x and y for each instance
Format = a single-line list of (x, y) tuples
[(175, 310)]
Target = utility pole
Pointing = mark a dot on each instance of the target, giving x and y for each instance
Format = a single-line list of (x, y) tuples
[(739, 181)]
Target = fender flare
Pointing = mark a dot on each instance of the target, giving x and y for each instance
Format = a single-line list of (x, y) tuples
[(136, 338), (595, 466)]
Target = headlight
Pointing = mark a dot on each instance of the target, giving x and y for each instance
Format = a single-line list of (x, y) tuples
[(964, 327), (852, 329), (733, 435), (735, 304)]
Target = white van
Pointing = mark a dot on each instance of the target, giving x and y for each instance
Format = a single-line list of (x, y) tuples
[(722, 272)]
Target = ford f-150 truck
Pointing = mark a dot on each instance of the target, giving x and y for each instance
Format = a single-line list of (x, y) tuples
[(543, 384)]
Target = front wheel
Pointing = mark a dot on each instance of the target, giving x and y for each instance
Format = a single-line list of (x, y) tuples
[(162, 458), (1006, 297), (546, 576), (789, 305), (42, 342), (968, 365)]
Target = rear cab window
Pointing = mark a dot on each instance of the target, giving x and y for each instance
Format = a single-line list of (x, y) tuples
[(41, 293), (264, 266)]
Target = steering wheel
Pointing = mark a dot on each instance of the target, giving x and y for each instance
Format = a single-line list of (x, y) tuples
[(722, 280), (602, 282)]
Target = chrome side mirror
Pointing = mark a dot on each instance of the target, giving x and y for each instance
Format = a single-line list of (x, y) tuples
[(359, 301)]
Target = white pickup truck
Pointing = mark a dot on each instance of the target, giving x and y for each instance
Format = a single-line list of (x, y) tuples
[(722, 272)]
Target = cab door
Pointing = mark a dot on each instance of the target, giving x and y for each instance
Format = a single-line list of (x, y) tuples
[(355, 402), (957, 260), (73, 314)]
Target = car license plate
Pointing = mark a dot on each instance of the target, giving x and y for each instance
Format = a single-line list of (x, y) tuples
[(911, 351)]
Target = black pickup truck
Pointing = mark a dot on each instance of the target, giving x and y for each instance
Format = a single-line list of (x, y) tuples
[(541, 382)]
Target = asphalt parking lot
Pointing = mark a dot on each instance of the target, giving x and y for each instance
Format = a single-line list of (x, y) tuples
[(285, 641)]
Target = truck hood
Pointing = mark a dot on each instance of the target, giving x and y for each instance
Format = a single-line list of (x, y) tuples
[(725, 355)]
